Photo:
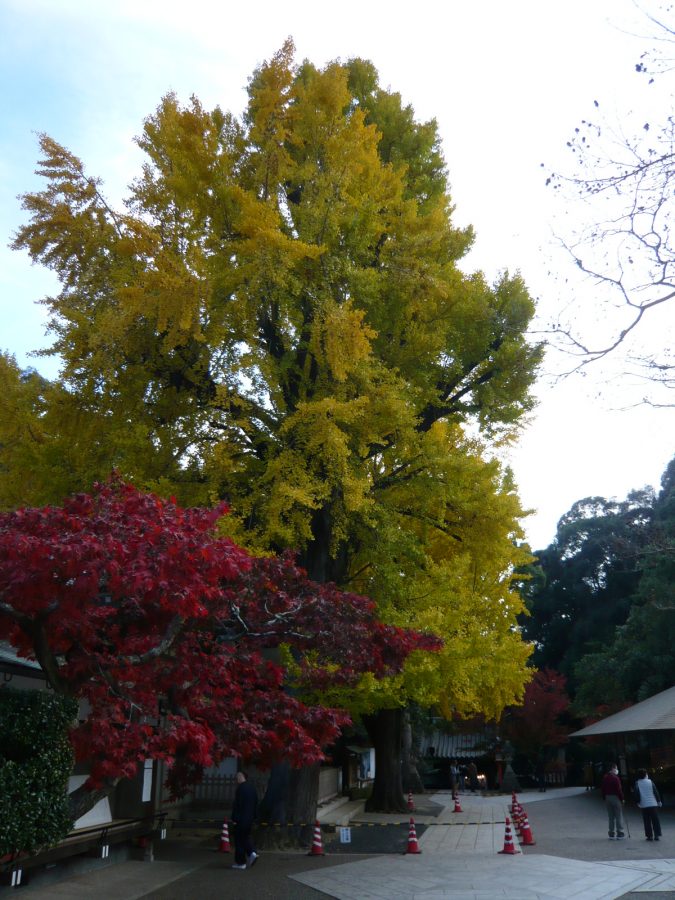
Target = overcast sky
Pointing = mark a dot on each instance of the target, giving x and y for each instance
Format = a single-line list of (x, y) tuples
[(507, 82)]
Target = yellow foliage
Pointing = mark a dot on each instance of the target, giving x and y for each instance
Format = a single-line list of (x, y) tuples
[(342, 338), (278, 317)]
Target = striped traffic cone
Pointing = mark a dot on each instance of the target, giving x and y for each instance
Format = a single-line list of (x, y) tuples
[(526, 838), (509, 846), (514, 802), (411, 805), (413, 846), (317, 846), (224, 839), (458, 807)]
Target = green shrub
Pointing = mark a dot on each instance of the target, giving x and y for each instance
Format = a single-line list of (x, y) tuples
[(35, 761)]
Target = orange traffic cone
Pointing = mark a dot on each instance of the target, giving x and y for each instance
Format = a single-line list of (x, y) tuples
[(526, 838), (514, 801), (457, 808), (413, 846), (317, 846), (411, 805), (509, 846), (225, 839)]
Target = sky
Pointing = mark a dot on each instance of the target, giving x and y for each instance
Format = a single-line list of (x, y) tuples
[(507, 84)]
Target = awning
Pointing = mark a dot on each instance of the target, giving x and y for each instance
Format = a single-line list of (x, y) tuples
[(9, 654), (657, 713)]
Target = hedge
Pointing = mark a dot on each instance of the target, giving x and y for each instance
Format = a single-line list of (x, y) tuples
[(36, 760)]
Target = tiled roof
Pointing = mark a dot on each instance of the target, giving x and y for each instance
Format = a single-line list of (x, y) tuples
[(456, 745)]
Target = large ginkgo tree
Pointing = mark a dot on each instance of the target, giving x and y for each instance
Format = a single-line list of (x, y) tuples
[(277, 316)]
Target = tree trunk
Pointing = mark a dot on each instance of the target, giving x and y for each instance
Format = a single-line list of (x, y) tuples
[(410, 775), (274, 805), (288, 808), (384, 730), (303, 802)]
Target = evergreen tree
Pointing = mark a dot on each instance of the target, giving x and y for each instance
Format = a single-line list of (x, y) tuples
[(640, 659), (584, 582)]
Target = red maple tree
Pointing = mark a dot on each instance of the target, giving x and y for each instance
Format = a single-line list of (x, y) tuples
[(536, 724), (165, 630)]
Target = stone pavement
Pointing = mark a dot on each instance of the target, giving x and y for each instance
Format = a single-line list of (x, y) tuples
[(459, 860)]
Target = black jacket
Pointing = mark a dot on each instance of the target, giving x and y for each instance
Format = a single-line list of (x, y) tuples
[(245, 807)]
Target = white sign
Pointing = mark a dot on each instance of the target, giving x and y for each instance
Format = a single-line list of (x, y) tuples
[(345, 835), (147, 781)]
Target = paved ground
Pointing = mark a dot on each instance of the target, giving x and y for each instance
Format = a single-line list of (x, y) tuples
[(459, 860)]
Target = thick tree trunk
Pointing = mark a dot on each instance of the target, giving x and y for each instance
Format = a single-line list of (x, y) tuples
[(274, 805), (409, 774), (291, 800), (304, 800), (322, 565), (384, 730), (316, 559)]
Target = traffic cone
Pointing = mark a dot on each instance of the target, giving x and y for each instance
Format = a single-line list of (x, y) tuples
[(413, 846), (526, 838), (317, 846), (225, 839), (514, 802), (411, 805), (457, 808), (509, 846)]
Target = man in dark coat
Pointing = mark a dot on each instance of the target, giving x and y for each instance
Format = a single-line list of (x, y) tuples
[(244, 812)]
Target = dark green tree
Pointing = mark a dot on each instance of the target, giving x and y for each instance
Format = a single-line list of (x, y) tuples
[(583, 584), (640, 660)]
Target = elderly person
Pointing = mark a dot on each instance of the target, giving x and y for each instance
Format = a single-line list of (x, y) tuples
[(612, 794), (649, 800)]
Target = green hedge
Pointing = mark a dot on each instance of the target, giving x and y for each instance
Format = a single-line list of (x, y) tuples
[(36, 760)]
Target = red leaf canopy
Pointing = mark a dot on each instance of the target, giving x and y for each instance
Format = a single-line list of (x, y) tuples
[(130, 602)]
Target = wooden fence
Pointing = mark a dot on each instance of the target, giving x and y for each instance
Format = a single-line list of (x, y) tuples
[(218, 790)]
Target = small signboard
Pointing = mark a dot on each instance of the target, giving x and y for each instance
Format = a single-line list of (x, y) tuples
[(345, 835)]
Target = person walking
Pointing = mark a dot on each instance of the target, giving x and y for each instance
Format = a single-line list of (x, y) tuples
[(244, 812), (612, 794), (649, 800), (588, 776), (540, 774), (454, 776)]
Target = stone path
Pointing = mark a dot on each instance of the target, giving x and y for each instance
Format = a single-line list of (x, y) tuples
[(460, 860)]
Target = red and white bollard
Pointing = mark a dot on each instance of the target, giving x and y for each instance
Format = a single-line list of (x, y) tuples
[(224, 839), (317, 846), (509, 846), (413, 846), (526, 837)]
